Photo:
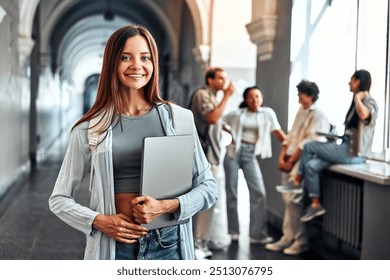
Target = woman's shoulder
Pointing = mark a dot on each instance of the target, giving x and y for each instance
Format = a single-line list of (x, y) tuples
[(169, 108), (267, 110), (370, 100), (235, 112), (81, 126), (181, 118), (81, 130)]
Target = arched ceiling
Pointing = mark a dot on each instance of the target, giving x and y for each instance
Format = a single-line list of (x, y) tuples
[(72, 33), (81, 50), (75, 32)]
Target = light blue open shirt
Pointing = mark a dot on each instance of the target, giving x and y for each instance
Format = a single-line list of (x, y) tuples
[(267, 123), (76, 166)]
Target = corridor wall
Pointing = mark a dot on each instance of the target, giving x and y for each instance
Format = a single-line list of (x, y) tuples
[(14, 102)]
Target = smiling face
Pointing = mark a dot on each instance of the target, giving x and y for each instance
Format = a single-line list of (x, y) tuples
[(135, 67), (254, 100)]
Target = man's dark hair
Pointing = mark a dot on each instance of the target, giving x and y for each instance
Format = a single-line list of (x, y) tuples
[(309, 88), (210, 73)]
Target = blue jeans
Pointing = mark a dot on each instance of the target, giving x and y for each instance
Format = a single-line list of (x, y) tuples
[(158, 244), (316, 156), (246, 160)]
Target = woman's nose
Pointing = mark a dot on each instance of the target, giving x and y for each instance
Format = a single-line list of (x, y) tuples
[(135, 65)]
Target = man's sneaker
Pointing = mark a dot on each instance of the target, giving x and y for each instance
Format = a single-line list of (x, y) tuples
[(216, 245), (278, 245), (290, 188), (201, 249), (295, 249), (234, 238), (312, 212), (265, 240)]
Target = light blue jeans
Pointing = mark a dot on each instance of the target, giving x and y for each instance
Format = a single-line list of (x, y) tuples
[(246, 160), (158, 244), (316, 156)]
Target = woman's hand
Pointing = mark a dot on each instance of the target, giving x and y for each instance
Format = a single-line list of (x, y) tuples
[(284, 163), (120, 227), (146, 209)]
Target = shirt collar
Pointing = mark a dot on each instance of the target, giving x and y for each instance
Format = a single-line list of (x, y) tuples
[(311, 108)]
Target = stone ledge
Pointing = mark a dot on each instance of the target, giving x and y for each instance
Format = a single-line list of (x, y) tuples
[(373, 171)]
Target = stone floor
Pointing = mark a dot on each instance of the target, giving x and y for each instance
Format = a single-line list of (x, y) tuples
[(29, 231)]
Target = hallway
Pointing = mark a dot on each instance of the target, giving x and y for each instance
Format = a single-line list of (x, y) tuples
[(29, 231), (50, 61)]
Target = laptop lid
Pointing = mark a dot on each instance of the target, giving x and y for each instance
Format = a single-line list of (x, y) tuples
[(166, 171)]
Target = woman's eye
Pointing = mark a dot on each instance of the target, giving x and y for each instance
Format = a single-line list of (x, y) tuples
[(125, 57), (145, 58)]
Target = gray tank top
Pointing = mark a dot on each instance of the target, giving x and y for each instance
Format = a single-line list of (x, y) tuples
[(127, 148)]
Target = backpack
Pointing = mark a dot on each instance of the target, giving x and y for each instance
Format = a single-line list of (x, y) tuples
[(182, 119)]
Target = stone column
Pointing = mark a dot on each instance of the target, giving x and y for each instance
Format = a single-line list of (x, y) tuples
[(270, 30)]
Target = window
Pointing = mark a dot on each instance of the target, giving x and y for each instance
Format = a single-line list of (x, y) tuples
[(329, 40)]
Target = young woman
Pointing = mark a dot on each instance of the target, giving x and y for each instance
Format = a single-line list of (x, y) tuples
[(128, 96), (251, 127)]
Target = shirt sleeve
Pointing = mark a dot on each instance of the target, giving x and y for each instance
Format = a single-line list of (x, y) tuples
[(287, 140), (75, 166), (319, 123), (373, 108), (203, 103), (275, 125), (228, 118)]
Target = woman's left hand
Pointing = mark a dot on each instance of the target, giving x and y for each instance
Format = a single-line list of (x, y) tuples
[(146, 209)]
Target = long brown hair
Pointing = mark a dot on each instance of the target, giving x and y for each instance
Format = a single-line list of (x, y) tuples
[(108, 97)]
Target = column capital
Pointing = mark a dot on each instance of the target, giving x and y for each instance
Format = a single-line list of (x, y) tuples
[(202, 53), (262, 33), (25, 44), (3, 13)]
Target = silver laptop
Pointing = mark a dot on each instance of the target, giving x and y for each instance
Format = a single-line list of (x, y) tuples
[(166, 171)]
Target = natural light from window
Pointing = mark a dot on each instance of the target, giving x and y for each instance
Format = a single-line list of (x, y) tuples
[(330, 41)]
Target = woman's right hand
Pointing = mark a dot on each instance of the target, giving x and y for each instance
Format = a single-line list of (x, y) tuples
[(120, 227)]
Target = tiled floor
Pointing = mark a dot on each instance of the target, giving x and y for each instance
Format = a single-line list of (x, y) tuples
[(29, 231)]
